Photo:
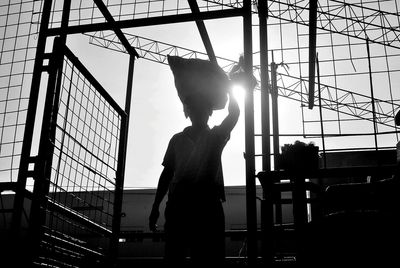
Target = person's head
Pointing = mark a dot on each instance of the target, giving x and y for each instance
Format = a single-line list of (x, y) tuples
[(198, 110)]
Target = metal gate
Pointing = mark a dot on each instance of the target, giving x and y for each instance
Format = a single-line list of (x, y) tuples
[(71, 217), (78, 168)]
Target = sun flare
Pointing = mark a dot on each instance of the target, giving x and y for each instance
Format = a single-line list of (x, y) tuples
[(239, 93)]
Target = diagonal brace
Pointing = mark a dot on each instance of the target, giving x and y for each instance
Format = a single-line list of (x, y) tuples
[(203, 31), (107, 15)]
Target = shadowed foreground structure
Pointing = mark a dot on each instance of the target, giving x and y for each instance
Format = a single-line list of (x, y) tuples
[(63, 138)]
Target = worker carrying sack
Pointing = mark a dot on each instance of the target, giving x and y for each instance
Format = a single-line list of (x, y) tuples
[(200, 79)]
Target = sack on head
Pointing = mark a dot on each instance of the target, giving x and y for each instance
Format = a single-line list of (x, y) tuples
[(200, 79)]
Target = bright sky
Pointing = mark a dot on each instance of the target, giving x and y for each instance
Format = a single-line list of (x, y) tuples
[(157, 112)]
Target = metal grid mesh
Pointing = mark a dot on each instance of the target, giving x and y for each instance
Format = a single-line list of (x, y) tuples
[(85, 12), (86, 148), (18, 25), (341, 45), (345, 88), (84, 167)]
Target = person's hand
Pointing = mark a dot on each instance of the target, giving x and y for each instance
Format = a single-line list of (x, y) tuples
[(253, 82), (153, 219)]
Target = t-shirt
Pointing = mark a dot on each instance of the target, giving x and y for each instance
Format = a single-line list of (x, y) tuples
[(398, 152), (197, 164)]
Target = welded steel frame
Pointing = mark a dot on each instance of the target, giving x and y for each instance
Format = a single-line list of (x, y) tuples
[(267, 211), (291, 13), (331, 11), (45, 154), (30, 120), (40, 172), (24, 173), (42, 162), (251, 205), (358, 106), (288, 92), (330, 15), (42, 167)]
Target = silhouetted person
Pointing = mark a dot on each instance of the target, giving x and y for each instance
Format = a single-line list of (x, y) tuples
[(192, 177), (397, 122)]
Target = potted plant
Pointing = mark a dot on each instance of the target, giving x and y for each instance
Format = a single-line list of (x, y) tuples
[(299, 156)]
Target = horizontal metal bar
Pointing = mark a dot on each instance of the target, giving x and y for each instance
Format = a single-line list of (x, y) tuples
[(332, 134), (289, 187), (342, 172), (218, 14), (159, 236), (135, 235)]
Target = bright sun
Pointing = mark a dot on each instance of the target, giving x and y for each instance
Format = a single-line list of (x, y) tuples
[(239, 93)]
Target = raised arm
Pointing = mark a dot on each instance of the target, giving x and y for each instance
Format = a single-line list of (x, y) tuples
[(233, 115), (237, 75)]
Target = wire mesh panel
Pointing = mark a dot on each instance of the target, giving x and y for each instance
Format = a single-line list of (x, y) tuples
[(346, 80), (357, 90), (80, 203), (18, 25), (85, 12)]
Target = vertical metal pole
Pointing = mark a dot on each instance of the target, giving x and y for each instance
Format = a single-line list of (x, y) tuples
[(46, 149), (43, 166), (299, 214), (312, 37), (251, 205), (265, 124), (129, 85), (320, 113), (275, 126), (267, 215), (372, 98), (30, 120), (120, 176), (119, 184), (275, 117)]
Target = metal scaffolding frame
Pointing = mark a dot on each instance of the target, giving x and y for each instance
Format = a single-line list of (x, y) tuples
[(78, 173), (362, 25), (351, 105)]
